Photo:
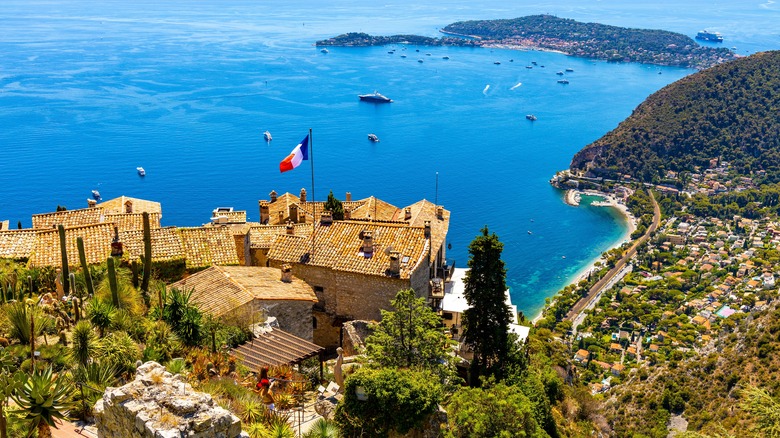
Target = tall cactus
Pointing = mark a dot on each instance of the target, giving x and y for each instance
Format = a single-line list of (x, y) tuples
[(64, 251), (30, 283), (85, 267), (147, 254), (112, 283)]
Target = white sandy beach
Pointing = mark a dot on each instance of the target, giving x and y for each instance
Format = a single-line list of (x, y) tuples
[(609, 201)]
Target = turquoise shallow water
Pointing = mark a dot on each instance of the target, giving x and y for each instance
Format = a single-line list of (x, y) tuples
[(90, 91)]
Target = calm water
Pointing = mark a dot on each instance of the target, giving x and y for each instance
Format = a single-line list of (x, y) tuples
[(89, 91)]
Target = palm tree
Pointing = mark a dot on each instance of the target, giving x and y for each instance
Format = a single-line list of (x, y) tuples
[(42, 399)]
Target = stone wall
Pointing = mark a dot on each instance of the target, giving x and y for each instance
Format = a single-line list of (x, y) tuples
[(158, 404), (294, 317), (355, 334)]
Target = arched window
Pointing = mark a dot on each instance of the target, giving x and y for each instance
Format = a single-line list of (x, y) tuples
[(314, 322)]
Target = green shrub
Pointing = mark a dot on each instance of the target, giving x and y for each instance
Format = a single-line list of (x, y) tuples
[(396, 401)]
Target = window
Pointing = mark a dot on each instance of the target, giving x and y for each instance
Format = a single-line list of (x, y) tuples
[(446, 315), (319, 289), (314, 322)]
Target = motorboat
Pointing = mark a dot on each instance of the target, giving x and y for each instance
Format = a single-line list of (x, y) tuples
[(563, 81), (375, 97), (569, 69), (560, 73), (530, 117), (324, 50), (373, 138), (420, 61), (267, 136), (141, 171), (445, 57), (403, 56), (96, 195), (497, 63)]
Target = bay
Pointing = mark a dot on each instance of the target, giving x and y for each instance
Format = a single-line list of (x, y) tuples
[(89, 91)]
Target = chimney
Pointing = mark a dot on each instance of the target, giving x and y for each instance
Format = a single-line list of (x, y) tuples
[(301, 217), (440, 211), (294, 212), (427, 229), (273, 196), (368, 242), (286, 273), (348, 198), (290, 228), (265, 212), (326, 218), (91, 203), (395, 263), (407, 213), (347, 214), (303, 195)]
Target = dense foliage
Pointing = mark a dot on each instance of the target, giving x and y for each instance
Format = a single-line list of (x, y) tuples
[(726, 113), (410, 336), (494, 411), (380, 401)]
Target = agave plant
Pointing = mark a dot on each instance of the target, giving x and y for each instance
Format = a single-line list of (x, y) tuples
[(42, 399), (323, 428), (92, 380), (17, 320)]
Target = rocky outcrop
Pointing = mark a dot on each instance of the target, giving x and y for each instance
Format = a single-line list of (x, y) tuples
[(355, 334), (158, 404)]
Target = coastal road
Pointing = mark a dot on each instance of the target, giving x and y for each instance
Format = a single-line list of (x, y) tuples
[(595, 292)]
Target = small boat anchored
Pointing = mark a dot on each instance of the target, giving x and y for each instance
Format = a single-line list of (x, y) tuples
[(373, 138), (96, 195), (530, 117), (375, 97), (563, 81), (141, 171), (324, 51), (267, 136)]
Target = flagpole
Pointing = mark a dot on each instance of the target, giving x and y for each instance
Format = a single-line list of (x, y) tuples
[(313, 203)]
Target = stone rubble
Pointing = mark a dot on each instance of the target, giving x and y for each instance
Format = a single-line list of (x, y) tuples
[(158, 404)]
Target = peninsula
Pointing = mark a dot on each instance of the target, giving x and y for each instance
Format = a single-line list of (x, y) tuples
[(547, 32)]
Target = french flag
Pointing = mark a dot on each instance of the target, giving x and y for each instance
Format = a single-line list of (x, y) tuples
[(300, 153)]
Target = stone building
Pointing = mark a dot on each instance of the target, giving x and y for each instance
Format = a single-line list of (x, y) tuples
[(356, 265), (243, 293)]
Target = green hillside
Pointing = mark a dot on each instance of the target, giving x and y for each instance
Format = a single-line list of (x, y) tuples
[(730, 112)]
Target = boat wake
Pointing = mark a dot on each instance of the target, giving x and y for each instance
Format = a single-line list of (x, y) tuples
[(516, 85), (487, 87)]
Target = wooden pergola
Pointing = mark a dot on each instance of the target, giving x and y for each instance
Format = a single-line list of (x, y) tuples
[(274, 348)]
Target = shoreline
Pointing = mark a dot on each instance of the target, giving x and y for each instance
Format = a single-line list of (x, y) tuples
[(631, 224)]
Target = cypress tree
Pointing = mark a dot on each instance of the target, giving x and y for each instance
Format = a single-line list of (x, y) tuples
[(486, 321), (335, 207), (64, 253)]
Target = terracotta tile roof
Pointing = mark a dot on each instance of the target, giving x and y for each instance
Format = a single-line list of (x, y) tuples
[(213, 292), (426, 211), (233, 217), (68, 218), (274, 348), (375, 209), (220, 289), (132, 221), (339, 246), (206, 246), (166, 244), (120, 205), (97, 245), (18, 244), (264, 235), (282, 205)]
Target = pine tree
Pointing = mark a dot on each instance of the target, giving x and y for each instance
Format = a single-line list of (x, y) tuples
[(486, 321), (335, 207)]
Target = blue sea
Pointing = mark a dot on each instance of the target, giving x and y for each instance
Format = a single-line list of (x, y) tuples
[(91, 90)]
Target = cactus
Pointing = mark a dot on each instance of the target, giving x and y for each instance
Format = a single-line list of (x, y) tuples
[(112, 282), (65, 271), (72, 281), (134, 270), (85, 267), (30, 283), (147, 254)]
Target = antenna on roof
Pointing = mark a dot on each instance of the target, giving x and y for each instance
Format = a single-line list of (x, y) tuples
[(436, 199)]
